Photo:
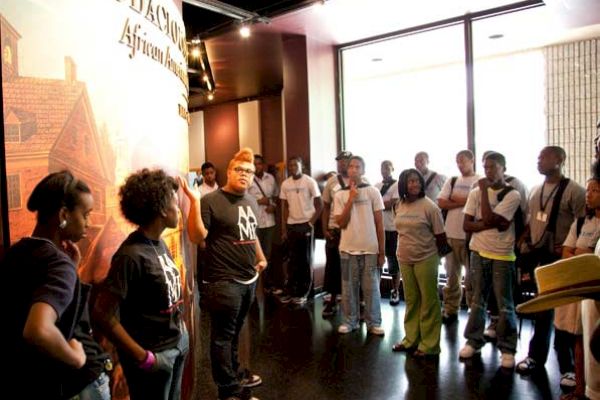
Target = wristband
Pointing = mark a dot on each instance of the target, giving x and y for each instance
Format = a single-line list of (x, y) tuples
[(148, 361)]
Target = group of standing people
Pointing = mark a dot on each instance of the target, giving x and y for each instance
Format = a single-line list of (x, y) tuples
[(139, 305)]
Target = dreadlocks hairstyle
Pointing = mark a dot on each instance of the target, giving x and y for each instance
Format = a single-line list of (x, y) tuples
[(403, 183)]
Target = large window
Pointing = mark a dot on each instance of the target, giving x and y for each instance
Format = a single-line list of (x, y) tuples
[(400, 99), (509, 89), (407, 94)]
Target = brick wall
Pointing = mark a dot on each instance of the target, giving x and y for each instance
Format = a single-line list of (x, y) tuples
[(573, 102)]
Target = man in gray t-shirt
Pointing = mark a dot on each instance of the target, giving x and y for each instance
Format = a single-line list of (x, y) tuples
[(541, 204)]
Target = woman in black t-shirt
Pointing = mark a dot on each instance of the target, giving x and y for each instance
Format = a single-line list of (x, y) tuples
[(139, 305), (42, 296)]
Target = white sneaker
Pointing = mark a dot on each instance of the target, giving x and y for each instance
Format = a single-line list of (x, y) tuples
[(468, 351), (568, 380), (376, 330), (344, 328), (507, 360)]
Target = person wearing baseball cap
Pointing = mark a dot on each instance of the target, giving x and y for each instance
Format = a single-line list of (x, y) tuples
[(333, 277)]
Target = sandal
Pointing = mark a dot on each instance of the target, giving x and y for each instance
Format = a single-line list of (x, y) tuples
[(400, 347)]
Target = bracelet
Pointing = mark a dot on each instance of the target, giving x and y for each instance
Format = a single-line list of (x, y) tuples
[(148, 361)]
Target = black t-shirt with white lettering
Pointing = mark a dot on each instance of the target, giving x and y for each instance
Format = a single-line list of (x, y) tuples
[(144, 276), (230, 245)]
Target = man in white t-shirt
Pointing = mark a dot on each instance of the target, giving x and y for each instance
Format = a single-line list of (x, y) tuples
[(358, 211), (265, 190), (301, 207), (490, 331), (452, 199), (209, 179), (489, 214), (433, 180), (388, 188)]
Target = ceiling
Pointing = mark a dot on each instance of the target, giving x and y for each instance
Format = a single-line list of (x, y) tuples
[(247, 68)]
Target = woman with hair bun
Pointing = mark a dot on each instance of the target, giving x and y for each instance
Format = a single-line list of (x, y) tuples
[(42, 295), (140, 304)]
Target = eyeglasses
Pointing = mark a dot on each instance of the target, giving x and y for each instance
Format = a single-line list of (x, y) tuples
[(247, 171)]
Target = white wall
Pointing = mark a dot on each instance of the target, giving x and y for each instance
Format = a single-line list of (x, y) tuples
[(196, 135), (249, 125)]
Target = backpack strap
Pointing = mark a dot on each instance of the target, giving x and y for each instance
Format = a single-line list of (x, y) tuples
[(504, 192), (580, 222), (386, 186), (430, 179), (341, 181), (452, 183)]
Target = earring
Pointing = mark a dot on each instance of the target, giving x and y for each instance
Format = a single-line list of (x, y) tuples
[(63, 224)]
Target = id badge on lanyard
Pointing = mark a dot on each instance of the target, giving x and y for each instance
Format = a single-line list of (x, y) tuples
[(541, 216)]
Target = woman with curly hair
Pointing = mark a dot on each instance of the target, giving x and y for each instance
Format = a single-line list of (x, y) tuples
[(421, 241), (139, 306)]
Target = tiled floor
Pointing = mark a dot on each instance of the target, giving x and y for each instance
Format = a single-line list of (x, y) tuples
[(301, 356)]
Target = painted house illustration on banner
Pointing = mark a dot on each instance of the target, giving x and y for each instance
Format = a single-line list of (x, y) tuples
[(49, 126)]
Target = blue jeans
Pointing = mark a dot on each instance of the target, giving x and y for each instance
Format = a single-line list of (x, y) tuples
[(163, 382), (97, 390), (360, 271), (227, 303), (497, 276)]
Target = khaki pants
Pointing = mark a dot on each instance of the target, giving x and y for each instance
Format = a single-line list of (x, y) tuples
[(452, 291)]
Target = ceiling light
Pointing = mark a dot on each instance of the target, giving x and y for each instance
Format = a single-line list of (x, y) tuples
[(195, 52), (245, 31)]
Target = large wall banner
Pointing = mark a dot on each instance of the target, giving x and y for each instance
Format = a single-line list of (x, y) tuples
[(98, 87)]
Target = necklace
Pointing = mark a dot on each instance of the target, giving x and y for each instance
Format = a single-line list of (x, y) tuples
[(151, 243)]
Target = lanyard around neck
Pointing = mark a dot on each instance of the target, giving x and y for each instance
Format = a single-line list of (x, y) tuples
[(543, 204)]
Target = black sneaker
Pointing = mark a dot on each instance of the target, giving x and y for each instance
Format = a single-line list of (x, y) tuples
[(526, 366), (330, 309), (448, 318), (394, 297), (285, 299)]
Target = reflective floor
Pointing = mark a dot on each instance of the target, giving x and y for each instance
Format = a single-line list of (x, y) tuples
[(300, 356)]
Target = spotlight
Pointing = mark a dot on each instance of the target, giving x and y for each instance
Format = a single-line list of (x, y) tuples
[(245, 31)]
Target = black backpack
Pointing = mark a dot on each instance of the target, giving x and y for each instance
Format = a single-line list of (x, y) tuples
[(518, 217), (452, 182)]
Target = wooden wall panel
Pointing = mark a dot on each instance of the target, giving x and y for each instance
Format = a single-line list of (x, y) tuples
[(221, 138)]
